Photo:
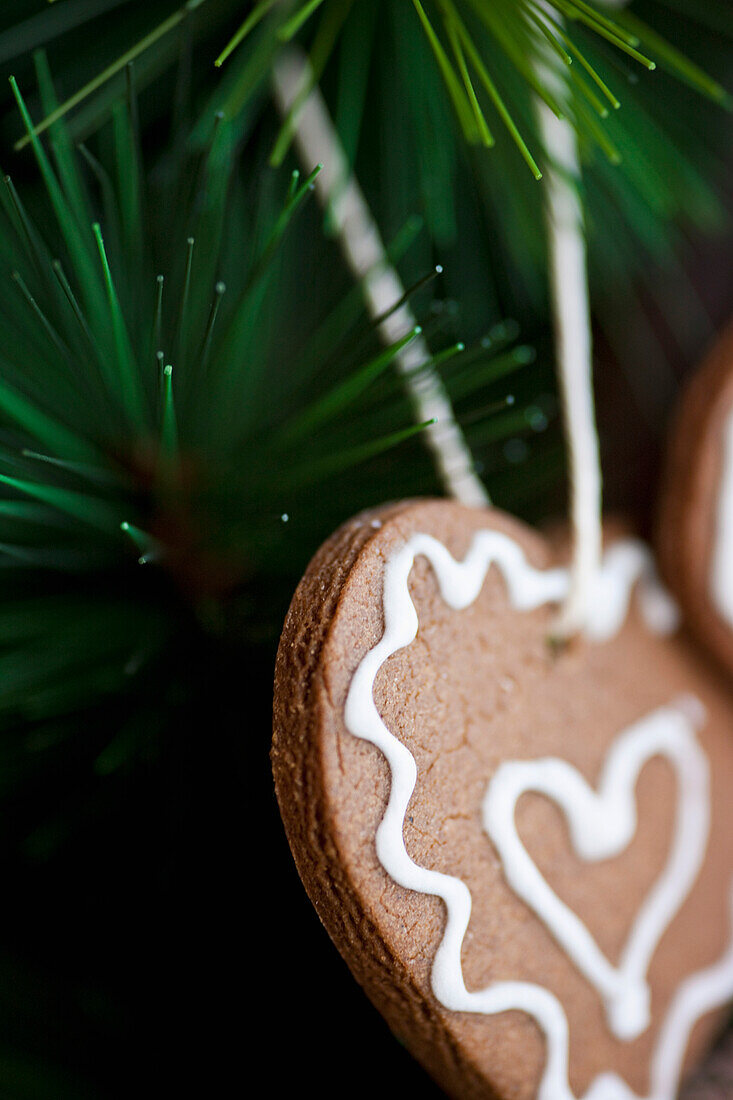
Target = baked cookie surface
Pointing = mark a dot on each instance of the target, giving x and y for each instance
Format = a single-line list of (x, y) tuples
[(523, 853)]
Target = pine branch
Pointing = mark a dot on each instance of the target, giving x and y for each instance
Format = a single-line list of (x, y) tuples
[(464, 36), (151, 426)]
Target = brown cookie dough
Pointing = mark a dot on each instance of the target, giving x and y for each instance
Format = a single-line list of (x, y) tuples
[(476, 688), (689, 529)]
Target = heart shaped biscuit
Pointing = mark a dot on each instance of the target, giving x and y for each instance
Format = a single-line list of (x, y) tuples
[(524, 853)]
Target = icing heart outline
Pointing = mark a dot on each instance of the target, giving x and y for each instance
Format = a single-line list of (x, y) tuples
[(460, 582), (602, 824)]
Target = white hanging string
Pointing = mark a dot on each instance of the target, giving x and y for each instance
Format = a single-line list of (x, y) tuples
[(366, 256), (573, 350)]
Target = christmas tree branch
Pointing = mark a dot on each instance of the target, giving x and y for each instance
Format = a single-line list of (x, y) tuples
[(365, 254)]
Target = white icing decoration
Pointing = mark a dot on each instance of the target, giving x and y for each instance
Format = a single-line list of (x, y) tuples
[(624, 563), (460, 583), (602, 825), (721, 574)]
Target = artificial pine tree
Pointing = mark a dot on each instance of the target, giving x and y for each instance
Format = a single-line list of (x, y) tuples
[(194, 393)]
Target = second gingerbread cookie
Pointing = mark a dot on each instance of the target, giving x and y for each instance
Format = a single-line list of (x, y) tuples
[(695, 529), (523, 854)]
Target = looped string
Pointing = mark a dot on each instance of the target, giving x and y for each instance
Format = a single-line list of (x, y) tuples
[(573, 353)]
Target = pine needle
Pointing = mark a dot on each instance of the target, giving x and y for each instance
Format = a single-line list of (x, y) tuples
[(111, 70)]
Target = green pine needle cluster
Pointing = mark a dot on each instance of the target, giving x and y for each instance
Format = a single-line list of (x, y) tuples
[(653, 169), (466, 35), (465, 38), (177, 431)]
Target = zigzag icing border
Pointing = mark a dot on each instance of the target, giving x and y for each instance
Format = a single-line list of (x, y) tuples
[(625, 564)]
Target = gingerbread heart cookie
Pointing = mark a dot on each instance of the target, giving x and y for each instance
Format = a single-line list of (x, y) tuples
[(524, 853), (695, 529)]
